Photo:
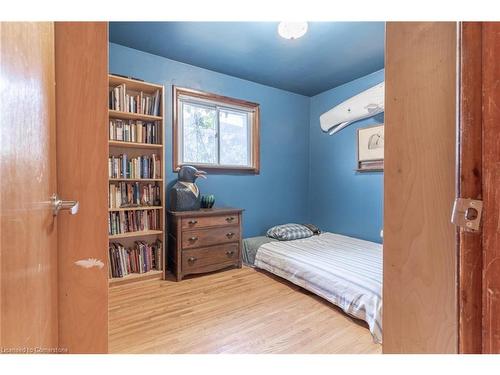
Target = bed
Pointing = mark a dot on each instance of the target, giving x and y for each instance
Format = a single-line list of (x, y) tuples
[(343, 270)]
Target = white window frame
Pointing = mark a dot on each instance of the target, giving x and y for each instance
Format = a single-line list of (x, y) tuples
[(218, 103)]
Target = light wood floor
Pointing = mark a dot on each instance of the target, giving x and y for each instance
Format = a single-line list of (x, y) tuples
[(235, 311)]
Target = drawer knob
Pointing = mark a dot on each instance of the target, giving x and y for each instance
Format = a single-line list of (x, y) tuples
[(192, 222), (191, 259), (229, 219), (192, 239), (230, 253), (230, 235)]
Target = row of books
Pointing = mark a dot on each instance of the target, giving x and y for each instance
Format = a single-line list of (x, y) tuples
[(136, 102), (134, 194), (141, 258), (145, 166), (134, 131), (120, 222)]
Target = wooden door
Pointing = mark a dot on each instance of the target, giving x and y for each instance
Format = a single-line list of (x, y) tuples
[(28, 253), (420, 310), (53, 278), (82, 172)]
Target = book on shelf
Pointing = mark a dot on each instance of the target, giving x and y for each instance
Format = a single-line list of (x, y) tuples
[(134, 194), (121, 222), (145, 166), (134, 131), (141, 258), (120, 99)]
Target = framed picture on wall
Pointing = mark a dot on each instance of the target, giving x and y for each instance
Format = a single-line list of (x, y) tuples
[(371, 148)]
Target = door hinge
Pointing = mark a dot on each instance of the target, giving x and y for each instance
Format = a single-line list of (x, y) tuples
[(467, 213)]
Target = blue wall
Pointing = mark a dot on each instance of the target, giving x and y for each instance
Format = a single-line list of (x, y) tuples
[(306, 175), (279, 193), (342, 200)]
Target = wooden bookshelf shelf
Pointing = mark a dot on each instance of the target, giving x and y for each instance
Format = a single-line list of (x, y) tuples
[(132, 277), (134, 84), (136, 208), (132, 116), (135, 234), (134, 145), (136, 179), (136, 94)]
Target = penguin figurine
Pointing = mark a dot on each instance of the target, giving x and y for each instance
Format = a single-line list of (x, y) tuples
[(185, 195)]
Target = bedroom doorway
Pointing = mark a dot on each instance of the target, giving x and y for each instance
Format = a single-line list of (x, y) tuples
[(441, 285)]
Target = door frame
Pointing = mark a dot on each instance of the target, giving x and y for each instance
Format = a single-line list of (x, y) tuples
[(469, 185), (478, 176)]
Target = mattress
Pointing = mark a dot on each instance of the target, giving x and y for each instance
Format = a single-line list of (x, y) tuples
[(343, 270), (250, 247)]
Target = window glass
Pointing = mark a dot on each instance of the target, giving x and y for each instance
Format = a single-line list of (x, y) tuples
[(234, 140), (199, 134)]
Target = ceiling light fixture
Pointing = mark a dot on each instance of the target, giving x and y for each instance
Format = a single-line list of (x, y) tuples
[(292, 30)]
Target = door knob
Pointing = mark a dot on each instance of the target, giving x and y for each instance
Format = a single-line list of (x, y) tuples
[(58, 204)]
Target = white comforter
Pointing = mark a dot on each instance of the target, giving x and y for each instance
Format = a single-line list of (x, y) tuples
[(345, 271)]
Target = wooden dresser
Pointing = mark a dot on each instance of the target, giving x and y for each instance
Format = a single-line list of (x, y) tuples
[(204, 240)]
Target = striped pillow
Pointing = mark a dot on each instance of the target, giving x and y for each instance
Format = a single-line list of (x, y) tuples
[(287, 232)]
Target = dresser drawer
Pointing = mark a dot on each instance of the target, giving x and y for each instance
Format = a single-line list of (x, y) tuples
[(207, 237), (209, 221), (208, 259), (204, 240)]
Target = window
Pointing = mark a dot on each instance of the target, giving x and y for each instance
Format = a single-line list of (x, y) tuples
[(215, 132)]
